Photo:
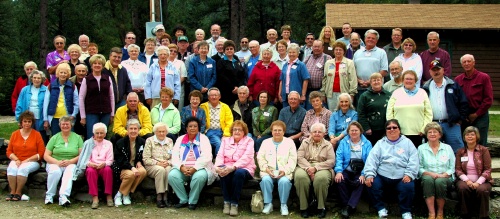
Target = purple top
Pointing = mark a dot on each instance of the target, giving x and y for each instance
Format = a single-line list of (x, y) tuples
[(53, 58), (428, 57)]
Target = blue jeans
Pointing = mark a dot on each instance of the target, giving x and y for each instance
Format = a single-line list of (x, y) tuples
[(350, 189), (215, 138), (92, 119), (232, 184), (267, 186), (406, 191), (54, 126), (452, 135)]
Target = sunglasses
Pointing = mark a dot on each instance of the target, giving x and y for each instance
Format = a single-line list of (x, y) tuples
[(391, 128)]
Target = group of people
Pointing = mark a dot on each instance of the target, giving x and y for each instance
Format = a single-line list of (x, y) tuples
[(328, 97)]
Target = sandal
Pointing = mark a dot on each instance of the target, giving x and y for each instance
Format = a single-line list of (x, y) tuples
[(9, 197), (16, 197)]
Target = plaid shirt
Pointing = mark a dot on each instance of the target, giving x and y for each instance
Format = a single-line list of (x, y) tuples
[(315, 65)]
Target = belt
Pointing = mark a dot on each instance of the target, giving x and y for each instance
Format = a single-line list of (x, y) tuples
[(440, 120)]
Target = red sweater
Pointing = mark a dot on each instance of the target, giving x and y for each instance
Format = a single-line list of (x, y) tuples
[(264, 78), (25, 149), (478, 90)]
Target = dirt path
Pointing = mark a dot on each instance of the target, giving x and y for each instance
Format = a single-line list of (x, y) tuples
[(7, 119)]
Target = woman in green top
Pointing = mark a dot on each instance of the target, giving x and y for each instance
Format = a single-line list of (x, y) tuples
[(61, 154), (262, 117)]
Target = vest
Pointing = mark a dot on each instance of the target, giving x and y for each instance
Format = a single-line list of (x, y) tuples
[(54, 96), (97, 100)]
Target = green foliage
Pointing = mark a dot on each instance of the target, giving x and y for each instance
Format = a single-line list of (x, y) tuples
[(6, 129)]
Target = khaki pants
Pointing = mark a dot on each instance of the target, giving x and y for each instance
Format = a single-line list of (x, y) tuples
[(322, 180), (160, 175), (130, 181), (155, 101)]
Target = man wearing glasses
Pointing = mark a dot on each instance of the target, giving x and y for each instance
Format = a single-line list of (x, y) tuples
[(129, 39), (56, 57), (306, 50), (244, 52), (394, 48)]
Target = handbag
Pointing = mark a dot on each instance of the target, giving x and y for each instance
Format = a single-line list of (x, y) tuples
[(356, 165), (257, 203)]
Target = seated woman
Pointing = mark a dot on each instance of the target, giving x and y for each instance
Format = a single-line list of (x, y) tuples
[(473, 168), (341, 118), (315, 159), (437, 165), (62, 154), (350, 159), (25, 151), (167, 113), (191, 162), (392, 163), (128, 163), (193, 110), (157, 156), (235, 165), (98, 154), (318, 114), (262, 117), (277, 159)]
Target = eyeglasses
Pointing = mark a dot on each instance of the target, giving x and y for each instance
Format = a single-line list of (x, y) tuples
[(59, 43), (409, 45), (244, 42), (237, 130), (392, 128), (130, 38), (173, 51)]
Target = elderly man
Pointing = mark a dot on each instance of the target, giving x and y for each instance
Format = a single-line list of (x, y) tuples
[(272, 36), (215, 31), (434, 53), (219, 46), (306, 50), (129, 39), (219, 119), (479, 92), (449, 105), (159, 32), (244, 51), (242, 108), (347, 31), (132, 110), (354, 45), (83, 41), (119, 76), (183, 43), (315, 64), (253, 58), (58, 56), (369, 60), (396, 68), (293, 116), (394, 48)]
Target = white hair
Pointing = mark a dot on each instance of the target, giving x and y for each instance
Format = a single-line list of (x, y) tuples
[(133, 46), (372, 31), (158, 125), (318, 124), (99, 125)]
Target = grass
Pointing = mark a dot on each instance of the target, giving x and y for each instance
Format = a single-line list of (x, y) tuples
[(494, 130), (495, 108), (6, 129)]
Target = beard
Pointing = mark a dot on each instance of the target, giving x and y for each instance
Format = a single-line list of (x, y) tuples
[(244, 48)]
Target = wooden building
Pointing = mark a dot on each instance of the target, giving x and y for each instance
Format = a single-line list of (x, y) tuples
[(463, 29)]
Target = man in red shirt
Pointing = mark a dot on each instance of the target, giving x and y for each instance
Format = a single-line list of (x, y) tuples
[(479, 92)]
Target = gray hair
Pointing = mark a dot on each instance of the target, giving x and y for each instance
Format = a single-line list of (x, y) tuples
[(315, 125), (200, 31), (85, 66), (83, 35), (132, 94), (133, 46), (243, 87), (133, 122), (66, 118), (75, 47), (354, 33), (271, 30), (397, 62), (158, 125), (30, 63), (99, 125), (215, 89), (348, 97), (162, 48), (467, 55), (433, 33), (294, 46), (293, 92), (35, 72), (221, 40), (372, 31)]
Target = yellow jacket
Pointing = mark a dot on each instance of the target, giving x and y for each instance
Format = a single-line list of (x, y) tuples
[(120, 120), (226, 117)]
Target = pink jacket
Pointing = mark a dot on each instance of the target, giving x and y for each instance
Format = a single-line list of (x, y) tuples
[(240, 155)]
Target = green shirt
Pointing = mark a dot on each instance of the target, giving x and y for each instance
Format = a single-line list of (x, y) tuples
[(61, 151), (441, 162)]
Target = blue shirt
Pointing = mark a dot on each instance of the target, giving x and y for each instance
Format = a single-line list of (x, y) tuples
[(251, 63), (298, 74), (369, 61), (339, 122), (292, 120)]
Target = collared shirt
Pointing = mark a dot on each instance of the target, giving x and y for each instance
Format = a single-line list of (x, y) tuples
[(273, 47), (132, 115), (252, 61), (441, 162), (339, 121), (392, 86), (392, 52), (438, 103), (478, 90), (411, 92), (215, 116), (136, 71), (307, 52), (83, 56), (292, 119), (369, 61), (53, 59), (315, 66)]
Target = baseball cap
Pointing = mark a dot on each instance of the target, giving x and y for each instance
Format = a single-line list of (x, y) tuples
[(182, 38), (159, 27), (435, 64)]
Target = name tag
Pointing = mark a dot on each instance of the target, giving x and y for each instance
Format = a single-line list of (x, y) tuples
[(400, 151), (249, 63), (342, 65), (266, 114), (319, 65), (368, 54), (330, 48), (209, 66), (169, 151), (294, 67), (348, 120), (464, 159), (141, 148), (170, 72), (332, 67)]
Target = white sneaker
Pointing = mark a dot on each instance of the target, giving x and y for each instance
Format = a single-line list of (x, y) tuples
[(382, 213), (284, 210), (407, 215), (64, 201), (118, 199), (126, 200), (48, 200), (268, 208)]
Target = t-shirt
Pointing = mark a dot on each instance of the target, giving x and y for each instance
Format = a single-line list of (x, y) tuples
[(62, 150)]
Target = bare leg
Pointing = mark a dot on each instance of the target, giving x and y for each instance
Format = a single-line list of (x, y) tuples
[(95, 198), (21, 181), (430, 206), (109, 197), (440, 204), (12, 184)]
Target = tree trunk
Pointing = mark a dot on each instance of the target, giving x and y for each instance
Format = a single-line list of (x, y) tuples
[(43, 33), (233, 11), (243, 21), (263, 33)]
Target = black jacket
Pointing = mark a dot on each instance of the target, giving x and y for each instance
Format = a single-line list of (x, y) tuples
[(246, 115), (122, 155), (229, 75)]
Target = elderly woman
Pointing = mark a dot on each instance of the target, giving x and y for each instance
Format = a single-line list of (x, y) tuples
[(166, 39), (235, 165), (262, 117), (277, 160), (265, 76), (350, 159), (294, 78), (327, 36), (339, 76), (160, 75), (193, 110), (437, 165), (410, 59), (149, 56), (372, 107), (62, 154), (230, 74), (24, 81), (167, 113), (181, 68), (410, 105), (98, 155), (128, 167), (191, 162), (318, 114), (242, 108), (157, 156), (62, 99), (341, 118), (315, 159), (282, 57), (25, 151), (136, 70), (201, 71), (473, 168), (199, 34), (74, 51), (97, 99), (32, 98), (392, 163)]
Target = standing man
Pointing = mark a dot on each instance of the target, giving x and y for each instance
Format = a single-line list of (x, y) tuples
[(449, 105), (219, 46), (251, 61), (244, 52), (183, 43), (315, 64), (159, 32), (119, 76), (369, 60), (83, 41), (129, 39), (215, 31), (347, 31), (58, 56), (479, 92), (434, 53), (354, 45), (394, 48), (272, 35), (306, 50), (396, 68)]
